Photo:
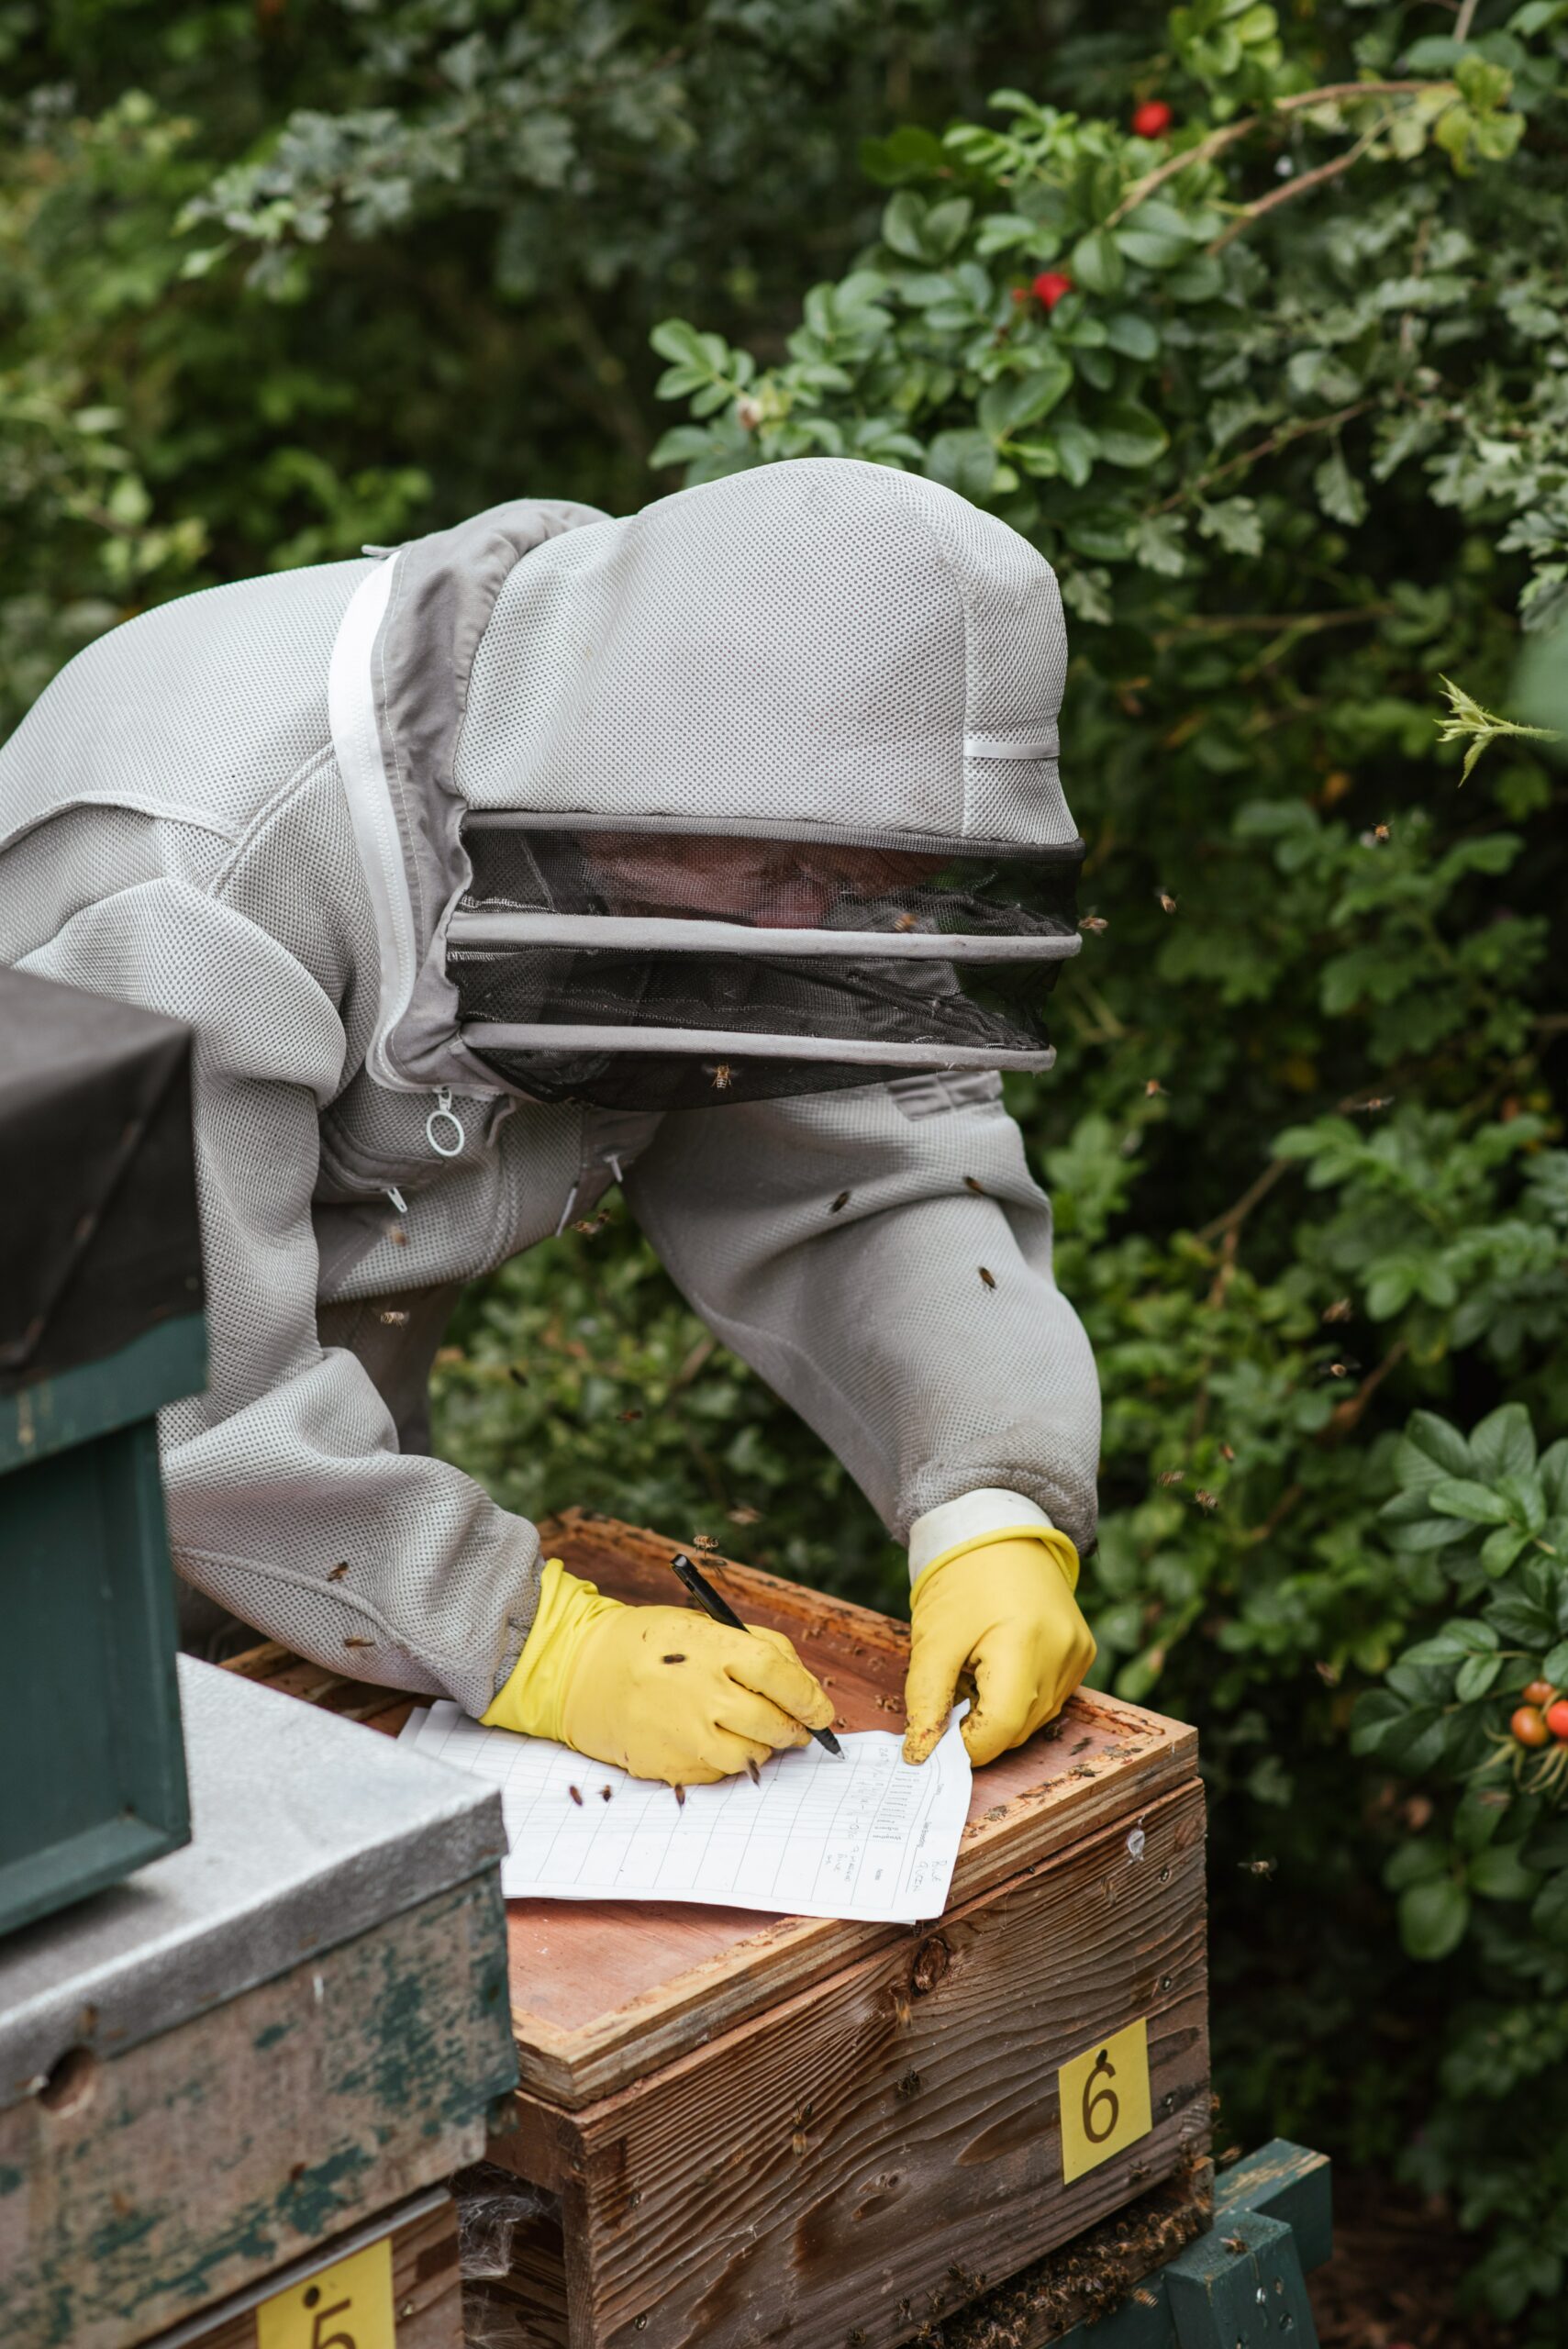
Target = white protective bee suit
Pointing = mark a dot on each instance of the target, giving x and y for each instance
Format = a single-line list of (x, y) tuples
[(373, 830)]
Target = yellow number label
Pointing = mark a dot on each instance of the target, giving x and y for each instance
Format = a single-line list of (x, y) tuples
[(1104, 2099), (345, 2307)]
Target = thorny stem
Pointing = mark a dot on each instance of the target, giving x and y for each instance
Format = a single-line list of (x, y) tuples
[(1268, 623), (1294, 187), (1228, 133), (1276, 441)]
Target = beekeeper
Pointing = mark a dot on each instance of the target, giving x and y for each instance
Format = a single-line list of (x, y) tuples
[(719, 853)]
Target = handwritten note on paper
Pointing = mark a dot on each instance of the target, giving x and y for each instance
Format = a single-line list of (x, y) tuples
[(865, 1838)]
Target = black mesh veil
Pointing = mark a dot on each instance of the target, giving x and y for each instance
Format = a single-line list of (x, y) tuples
[(661, 970)]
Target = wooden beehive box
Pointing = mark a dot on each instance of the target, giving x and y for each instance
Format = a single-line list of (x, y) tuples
[(760, 2129)]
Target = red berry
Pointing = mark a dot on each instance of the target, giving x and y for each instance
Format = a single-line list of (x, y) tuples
[(1557, 1718), (1541, 1693), (1050, 286), (1152, 119), (1529, 1725)]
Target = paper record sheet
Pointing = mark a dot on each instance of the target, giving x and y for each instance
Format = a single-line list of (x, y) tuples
[(867, 1838)]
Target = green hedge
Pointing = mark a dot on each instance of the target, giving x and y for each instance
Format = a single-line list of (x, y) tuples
[(1283, 391)]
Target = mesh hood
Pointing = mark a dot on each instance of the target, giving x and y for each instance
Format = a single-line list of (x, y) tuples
[(822, 656), (822, 642)]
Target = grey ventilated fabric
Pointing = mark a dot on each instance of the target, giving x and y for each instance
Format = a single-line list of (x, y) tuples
[(174, 831), (809, 642)]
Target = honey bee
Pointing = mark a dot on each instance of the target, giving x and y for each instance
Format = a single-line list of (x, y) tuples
[(1205, 1500), (1257, 1868), (722, 1076), (1093, 924), (1167, 902), (988, 1278), (1152, 1087), (973, 1183), (1340, 1310), (904, 922), (336, 1573), (353, 1640), (1173, 1475)]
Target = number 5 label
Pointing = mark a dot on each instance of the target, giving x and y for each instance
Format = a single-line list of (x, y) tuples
[(347, 2306), (1104, 2099)]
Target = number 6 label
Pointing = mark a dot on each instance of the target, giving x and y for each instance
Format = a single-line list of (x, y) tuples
[(347, 2306), (1104, 2099)]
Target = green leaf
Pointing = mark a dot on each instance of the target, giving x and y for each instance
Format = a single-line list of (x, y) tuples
[(1130, 434), (1503, 1442), (1076, 448), (1549, 1913), (1006, 407), (1340, 494), (1202, 279), (1500, 1549), (1476, 1675), (1096, 263), (910, 153), (1500, 1873), (1423, 1860), (964, 460), (1437, 1441), (1432, 1918), (1554, 1664), (1457, 1496), (674, 338), (1132, 334), (903, 225)]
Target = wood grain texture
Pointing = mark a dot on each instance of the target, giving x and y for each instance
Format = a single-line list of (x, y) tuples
[(604, 1990), (873, 2151), (199, 2162), (427, 2293)]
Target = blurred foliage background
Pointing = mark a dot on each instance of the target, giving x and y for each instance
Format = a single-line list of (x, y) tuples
[(1257, 322)]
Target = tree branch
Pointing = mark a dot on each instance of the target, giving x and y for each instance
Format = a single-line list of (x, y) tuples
[(1294, 187), (1269, 448), (1330, 94)]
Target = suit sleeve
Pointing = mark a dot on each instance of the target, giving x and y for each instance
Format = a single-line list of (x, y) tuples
[(289, 1501), (883, 1257)]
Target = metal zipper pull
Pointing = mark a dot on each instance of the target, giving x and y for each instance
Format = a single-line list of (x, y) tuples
[(398, 1201), (442, 1118)]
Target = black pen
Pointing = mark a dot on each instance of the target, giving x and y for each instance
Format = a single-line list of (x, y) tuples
[(708, 1599)]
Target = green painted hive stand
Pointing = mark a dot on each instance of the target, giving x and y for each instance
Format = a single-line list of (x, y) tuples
[(101, 1324)]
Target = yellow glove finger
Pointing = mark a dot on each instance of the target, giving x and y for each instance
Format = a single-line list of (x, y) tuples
[(766, 1662), (758, 1721), (719, 1755), (1007, 1697), (930, 1687)]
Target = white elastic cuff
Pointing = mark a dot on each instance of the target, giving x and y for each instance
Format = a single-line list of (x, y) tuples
[(974, 1516)]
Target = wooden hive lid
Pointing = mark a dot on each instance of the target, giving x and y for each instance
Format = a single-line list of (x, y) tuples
[(604, 1992)]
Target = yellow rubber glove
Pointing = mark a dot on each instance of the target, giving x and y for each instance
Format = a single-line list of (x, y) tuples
[(664, 1692), (1002, 1614)]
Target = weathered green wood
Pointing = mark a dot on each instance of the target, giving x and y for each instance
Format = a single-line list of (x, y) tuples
[(138, 2189), (1284, 2181), (90, 1756), (1240, 2287), (90, 1750), (1273, 2223), (59, 1413)]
